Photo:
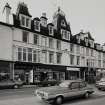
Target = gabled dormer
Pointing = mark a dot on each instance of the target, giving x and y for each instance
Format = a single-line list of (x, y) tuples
[(43, 19), (23, 15), (51, 29), (36, 24), (61, 26)]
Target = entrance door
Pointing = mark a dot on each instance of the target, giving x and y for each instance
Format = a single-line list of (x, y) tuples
[(27, 77)]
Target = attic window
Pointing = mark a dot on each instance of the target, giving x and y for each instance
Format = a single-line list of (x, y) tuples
[(37, 25), (65, 34), (63, 23), (25, 21), (51, 30)]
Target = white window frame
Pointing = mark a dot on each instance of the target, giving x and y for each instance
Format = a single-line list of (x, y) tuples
[(26, 17), (52, 30), (35, 25)]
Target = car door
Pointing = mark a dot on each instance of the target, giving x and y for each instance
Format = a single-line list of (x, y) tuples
[(82, 88), (74, 89)]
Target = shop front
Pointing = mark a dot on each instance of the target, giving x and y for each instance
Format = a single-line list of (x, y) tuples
[(49, 72), (32, 72), (73, 73), (5, 70)]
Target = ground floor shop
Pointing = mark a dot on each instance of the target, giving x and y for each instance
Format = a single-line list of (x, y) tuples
[(34, 72)]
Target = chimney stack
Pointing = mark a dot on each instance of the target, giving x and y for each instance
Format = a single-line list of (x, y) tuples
[(7, 10)]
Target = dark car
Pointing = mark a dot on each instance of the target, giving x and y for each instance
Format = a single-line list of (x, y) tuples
[(10, 84), (101, 84), (66, 89)]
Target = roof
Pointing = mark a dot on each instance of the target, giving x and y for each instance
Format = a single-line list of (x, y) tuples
[(23, 9)]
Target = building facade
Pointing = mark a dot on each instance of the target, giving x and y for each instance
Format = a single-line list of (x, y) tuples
[(34, 50)]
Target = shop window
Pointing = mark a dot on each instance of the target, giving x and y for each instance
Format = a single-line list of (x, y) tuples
[(58, 44), (37, 25), (19, 54), (25, 36), (59, 58), (36, 39), (30, 54)]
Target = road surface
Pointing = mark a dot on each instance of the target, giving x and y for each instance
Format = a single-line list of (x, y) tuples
[(26, 97)]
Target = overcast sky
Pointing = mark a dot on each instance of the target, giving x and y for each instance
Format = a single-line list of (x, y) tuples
[(88, 15)]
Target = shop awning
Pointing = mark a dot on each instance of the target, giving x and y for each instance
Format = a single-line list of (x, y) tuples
[(73, 69)]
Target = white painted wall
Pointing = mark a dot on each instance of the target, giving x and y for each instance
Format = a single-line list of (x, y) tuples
[(5, 43)]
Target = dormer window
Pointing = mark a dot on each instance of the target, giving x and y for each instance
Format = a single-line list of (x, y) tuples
[(37, 25), (86, 41), (65, 34), (78, 38), (25, 21), (91, 43), (51, 31)]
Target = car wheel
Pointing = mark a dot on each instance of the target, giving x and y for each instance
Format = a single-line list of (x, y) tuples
[(86, 95), (58, 100), (16, 86)]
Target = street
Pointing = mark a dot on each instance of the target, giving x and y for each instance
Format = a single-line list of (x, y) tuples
[(25, 96)]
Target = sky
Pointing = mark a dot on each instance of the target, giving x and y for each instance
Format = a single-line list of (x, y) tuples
[(87, 15)]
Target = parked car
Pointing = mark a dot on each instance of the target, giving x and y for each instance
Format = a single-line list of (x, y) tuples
[(101, 84), (10, 84), (66, 89)]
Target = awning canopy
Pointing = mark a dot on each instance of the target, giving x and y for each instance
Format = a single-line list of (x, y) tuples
[(73, 69)]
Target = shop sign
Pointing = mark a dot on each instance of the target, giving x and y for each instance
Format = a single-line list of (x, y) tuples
[(43, 70), (73, 69)]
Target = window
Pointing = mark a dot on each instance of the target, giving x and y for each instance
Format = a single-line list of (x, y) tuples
[(25, 21), (51, 57), (65, 34), (43, 41), (34, 56), (92, 52), (19, 54), (71, 47), (58, 44), (78, 49), (25, 36), (75, 85), (24, 54), (78, 60), (71, 59), (51, 43), (30, 54), (59, 58), (87, 51), (44, 57), (36, 39), (63, 23), (37, 25), (50, 30), (82, 84)]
